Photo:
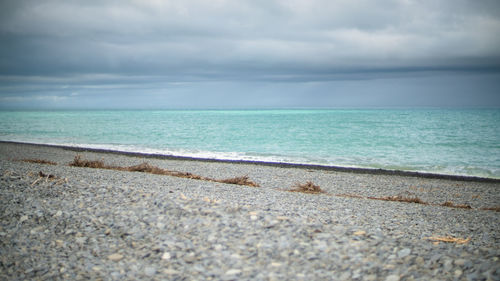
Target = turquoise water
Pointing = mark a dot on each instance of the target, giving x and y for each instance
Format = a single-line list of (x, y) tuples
[(445, 141)]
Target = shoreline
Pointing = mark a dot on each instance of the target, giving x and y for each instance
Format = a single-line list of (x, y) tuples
[(370, 171), (94, 223)]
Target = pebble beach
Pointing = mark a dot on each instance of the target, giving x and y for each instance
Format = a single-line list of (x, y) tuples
[(60, 222)]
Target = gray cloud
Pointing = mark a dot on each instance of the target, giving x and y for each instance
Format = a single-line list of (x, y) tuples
[(153, 44)]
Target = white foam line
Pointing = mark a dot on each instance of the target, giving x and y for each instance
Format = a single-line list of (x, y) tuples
[(238, 156)]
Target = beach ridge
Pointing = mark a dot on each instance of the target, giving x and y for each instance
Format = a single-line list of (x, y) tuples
[(358, 170), (81, 223)]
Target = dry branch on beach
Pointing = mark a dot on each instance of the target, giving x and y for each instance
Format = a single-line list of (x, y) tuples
[(449, 239), (47, 177)]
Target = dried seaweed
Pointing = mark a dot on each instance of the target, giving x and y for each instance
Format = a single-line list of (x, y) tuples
[(244, 180), (147, 168), (496, 209), (308, 187), (452, 205), (78, 162), (400, 198), (38, 161)]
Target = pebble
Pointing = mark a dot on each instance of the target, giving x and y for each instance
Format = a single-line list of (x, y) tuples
[(370, 277), (166, 256), (81, 240), (159, 227), (392, 278), (115, 257), (233, 272), (150, 271), (170, 271), (404, 253), (448, 265)]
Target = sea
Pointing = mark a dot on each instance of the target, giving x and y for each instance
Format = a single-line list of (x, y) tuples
[(463, 142)]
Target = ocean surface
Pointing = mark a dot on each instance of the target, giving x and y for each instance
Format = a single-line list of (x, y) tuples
[(443, 141)]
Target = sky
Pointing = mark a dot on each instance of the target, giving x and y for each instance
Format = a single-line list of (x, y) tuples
[(111, 54)]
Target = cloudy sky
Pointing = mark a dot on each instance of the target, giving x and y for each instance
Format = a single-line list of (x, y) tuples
[(248, 54)]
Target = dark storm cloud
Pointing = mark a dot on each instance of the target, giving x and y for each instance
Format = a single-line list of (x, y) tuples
[(109, 46)]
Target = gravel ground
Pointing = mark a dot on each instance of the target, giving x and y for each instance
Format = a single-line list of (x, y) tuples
[(114, 225)]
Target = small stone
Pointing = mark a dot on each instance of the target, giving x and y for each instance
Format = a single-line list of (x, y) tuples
[(448, 265), (190, 258), (275, 264), (170, 271), (271, 224), (419, 260), (23, 218), (359, 233), (404, 253), (115, 257), (233, 271), (235, 256), (81, 240), (166, 256), (58, 213), (150, 271), (460, 262), (473, 276), (272, 277), (370, 277), (321, 245), (392, 278), (356, 274), (458, 273), (35, 230), (282, 218), (345, 276), (253, 217)]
